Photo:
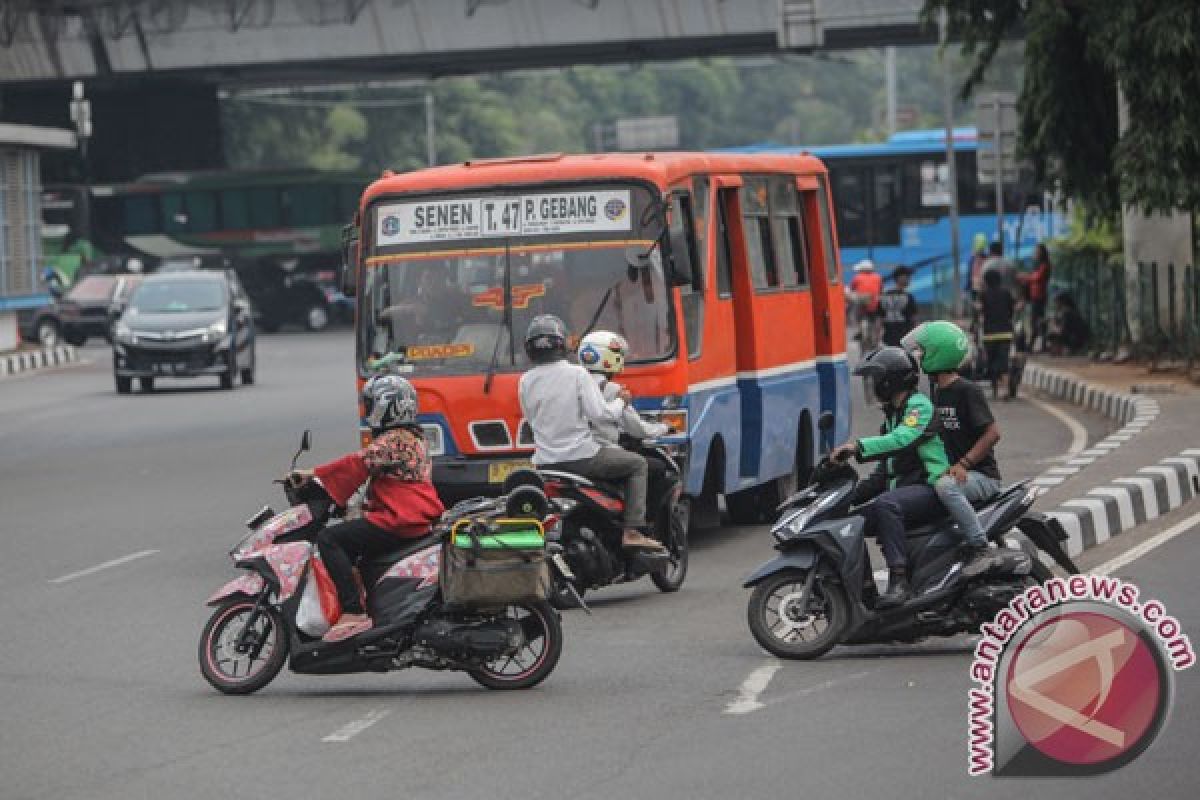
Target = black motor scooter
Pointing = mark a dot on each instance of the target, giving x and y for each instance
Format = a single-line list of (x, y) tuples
[(820, 590), (584, 528)]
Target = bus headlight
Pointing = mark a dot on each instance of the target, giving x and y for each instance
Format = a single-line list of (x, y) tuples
[(434, 439), (675, 419)]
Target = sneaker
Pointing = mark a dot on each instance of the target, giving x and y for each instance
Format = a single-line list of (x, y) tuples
[(978, 559), (898, 590)]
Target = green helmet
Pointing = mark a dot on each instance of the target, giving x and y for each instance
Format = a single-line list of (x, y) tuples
[(943, 345)]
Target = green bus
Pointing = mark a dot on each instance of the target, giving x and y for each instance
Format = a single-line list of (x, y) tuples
[(241, 214)]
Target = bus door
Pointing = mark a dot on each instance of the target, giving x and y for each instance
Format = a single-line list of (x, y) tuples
[(829, 307), (731, 238)]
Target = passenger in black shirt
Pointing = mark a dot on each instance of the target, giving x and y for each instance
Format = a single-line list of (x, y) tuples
[(898, 308)]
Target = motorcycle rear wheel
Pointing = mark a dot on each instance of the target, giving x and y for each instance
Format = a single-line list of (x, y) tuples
[(221, 664), (532, 664), (776, 627)]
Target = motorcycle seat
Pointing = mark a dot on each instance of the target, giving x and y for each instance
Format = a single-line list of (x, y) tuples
[(578, 480), (406, 547), (981, 510)]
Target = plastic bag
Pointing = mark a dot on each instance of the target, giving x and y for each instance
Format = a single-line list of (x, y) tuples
[(319, 607)]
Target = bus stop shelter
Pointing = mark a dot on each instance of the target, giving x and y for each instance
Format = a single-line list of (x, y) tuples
[(21, 221)]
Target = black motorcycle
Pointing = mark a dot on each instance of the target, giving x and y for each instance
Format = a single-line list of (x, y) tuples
[(258, 622), (820, 590), (585, 525)]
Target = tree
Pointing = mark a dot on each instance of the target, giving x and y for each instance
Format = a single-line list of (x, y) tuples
[(1076, 55)]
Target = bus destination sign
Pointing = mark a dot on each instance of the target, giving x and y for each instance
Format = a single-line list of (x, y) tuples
[(465, 218)]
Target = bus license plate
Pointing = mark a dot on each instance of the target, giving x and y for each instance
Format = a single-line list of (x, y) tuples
[(499, 471)]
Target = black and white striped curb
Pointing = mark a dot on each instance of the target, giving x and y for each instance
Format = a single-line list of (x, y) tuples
[(13, 363), (1106, 511), (1134, 411)]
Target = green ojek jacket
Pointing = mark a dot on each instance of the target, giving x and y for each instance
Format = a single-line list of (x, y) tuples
[(908, 444)]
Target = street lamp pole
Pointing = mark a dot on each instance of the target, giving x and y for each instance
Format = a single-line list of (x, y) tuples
[(81, 115)]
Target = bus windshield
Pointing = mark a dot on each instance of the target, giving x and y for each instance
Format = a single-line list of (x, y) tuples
[(445, 312), (458, 306)]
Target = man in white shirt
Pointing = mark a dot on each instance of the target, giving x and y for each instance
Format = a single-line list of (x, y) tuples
[(560, 399)]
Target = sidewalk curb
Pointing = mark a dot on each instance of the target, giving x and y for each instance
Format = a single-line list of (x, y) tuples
[(1113, 508), (1134, 411), (1117, 507), (29, 360)]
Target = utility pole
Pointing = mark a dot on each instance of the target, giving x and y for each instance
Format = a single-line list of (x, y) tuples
[(81, 116), (889, 61), (430, 131), (951, 167), (1000, 177)]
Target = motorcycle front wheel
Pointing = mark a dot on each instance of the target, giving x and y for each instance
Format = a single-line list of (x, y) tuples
[(242, 650), (788, 631), (538, 655), (671, 578)]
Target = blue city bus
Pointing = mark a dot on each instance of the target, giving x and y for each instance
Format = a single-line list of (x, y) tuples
[(892, 202)]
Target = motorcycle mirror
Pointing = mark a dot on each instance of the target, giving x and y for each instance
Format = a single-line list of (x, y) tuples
[(825, 424), (305, 445)]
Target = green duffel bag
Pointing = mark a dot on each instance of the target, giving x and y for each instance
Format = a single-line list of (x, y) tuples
[(494, 563)]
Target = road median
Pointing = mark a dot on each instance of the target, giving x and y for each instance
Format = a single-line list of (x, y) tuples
[(21, 361)]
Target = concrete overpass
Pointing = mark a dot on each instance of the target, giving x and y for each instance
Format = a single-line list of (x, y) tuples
[(295, 41), (153, 67)]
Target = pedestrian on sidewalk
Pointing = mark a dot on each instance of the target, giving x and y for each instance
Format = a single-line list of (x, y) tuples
[(1069, 332), (997, 308), (1037, 285), (898, 308)]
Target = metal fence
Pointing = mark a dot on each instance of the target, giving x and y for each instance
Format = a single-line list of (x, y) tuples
[(1096, 281), (1170, 324)]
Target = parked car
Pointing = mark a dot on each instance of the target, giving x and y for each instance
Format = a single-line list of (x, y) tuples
[(183, 325), (86, 310), (296, 290)]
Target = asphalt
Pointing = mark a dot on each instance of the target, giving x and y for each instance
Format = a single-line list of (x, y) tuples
[(102, 696)]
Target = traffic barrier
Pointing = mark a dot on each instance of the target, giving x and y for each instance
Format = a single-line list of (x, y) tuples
[(26, 360)]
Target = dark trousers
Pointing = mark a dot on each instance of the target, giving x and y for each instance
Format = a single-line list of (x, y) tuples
[(890, 513), (341, 546)]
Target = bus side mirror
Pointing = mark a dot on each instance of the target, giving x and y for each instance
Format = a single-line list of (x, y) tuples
[(349, 277), (680, 271)]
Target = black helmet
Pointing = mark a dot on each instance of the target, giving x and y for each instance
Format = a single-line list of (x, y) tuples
[(891, 370), (546, 339)]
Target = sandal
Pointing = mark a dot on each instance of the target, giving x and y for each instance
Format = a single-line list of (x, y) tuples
[(348, 626)]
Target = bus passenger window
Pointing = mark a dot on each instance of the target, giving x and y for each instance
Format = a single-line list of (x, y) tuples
[(764, 272), (235, 209), (849, 196), (201, 210), (264, 207), (790, 254), (141, 214), (692, 294), (885, 213), (724, 257), (831, 261)]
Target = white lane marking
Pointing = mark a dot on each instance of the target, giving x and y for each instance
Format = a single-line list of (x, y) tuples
[(352, 729), (1158, 539), (1079, 435), (755, 684), (820, 687), (114, 563)]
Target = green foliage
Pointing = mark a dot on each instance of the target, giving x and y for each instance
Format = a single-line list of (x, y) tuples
[(1076, 55), (719, 103)]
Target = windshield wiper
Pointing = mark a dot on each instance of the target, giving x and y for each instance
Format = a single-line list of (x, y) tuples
[(506, 326)]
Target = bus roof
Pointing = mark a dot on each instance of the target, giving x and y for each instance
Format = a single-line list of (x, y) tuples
[(931, 140), (659, 168)]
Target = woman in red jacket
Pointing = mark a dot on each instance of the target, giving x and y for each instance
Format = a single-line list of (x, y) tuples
[(1037, 284), (401, 502)]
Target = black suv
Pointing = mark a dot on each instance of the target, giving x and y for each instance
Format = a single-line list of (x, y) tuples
[(82, 313), (182, 325)]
